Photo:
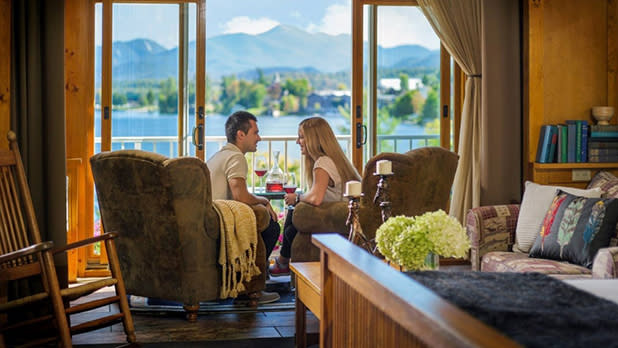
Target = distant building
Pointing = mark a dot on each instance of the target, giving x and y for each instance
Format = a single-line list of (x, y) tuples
[(328, 101), (395, 84)]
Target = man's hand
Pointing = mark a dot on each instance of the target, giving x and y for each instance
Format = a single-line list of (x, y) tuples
[(271, 212)]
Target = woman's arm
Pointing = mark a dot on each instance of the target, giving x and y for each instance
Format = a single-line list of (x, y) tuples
[(316, 194)]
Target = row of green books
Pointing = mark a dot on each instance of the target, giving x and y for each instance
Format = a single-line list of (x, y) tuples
[(563, 143)]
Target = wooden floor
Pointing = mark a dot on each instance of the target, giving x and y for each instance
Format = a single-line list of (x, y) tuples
[(254, 329)]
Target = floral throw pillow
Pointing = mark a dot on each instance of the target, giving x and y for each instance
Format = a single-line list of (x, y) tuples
[(607, 182), (575, 228)]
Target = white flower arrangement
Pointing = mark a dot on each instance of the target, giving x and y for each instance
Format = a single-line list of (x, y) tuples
[(406, 241)]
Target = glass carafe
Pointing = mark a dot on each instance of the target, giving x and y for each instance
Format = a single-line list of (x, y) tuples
[(274, 177)]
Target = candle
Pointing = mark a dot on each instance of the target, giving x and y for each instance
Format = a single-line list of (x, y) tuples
[(353, 188), (384, 167)]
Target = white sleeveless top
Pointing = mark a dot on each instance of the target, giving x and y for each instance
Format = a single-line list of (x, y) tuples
[(333, 193)]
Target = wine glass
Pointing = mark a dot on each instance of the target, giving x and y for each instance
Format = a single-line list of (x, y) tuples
[(289, 185), (260, 167)]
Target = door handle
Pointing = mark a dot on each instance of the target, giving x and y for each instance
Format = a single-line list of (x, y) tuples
[(198, 136), (361, 135)]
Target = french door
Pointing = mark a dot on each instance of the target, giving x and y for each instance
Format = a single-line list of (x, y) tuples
[(416, 102), (149, 86)]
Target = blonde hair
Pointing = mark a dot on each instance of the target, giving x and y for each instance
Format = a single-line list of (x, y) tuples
[(320, 141)]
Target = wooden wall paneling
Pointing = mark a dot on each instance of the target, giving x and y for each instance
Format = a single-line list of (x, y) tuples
[(79, 100), (533, 79), (356, 104), (612, 55), (575, 59), (5, 71), (200, 71)]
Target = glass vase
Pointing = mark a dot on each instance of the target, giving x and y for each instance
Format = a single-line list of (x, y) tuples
[(432, 262)]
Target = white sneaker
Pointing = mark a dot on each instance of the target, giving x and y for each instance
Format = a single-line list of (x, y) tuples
[(268, 297)]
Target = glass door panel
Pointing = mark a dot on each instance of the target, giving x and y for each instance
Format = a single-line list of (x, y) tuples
[(283, 61), (145, 83), (408, 80)]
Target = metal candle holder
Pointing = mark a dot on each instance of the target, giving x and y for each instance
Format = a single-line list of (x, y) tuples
[(382, 196), (356, 234)]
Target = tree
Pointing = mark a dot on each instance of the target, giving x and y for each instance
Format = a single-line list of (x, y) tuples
[(404, 82), (299, 88), (290, 104), (402, 107), (150, 98), (119, 98), (430, 109)]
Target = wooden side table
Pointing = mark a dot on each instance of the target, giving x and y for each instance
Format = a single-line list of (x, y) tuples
[(308, 294)]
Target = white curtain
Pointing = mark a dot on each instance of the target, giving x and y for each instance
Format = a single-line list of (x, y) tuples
[(458, 24)]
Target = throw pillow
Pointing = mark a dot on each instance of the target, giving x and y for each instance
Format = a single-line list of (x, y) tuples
[(537, 199), (607, 182), (575, 228)]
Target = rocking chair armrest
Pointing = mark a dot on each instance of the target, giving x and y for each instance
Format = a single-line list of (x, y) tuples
[(84, 242), (32, 249)]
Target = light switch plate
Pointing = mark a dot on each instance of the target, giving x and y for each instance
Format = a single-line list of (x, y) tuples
[(580, 175)]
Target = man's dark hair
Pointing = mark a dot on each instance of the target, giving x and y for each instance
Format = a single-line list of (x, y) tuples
[(238, 121)]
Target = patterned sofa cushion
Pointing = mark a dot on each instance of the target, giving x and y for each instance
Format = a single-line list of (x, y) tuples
[(499, 261)]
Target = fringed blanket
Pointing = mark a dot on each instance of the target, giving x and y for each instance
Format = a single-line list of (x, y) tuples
[(238, 243)]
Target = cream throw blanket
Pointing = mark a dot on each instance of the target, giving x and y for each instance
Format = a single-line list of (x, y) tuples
[(238, 245)]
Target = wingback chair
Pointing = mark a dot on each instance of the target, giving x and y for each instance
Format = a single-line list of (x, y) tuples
[(168, 230), (421, 182)]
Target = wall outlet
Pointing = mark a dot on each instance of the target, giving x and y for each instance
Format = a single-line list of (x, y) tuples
[(580, 175)]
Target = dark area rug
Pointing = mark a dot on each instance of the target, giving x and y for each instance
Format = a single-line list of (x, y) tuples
[(156, 306), (530, 308), (287, 342)]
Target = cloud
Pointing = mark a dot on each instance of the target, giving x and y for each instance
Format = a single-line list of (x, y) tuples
[(405, 25), (253, 26), (337, 20)]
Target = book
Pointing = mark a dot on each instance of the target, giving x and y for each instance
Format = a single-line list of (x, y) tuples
[(603, 128), (564, 146), (602, 158), (551, 154), (571, 141), (584, 151), (602, 152), (604, 134), (543, 144), (602, 144)]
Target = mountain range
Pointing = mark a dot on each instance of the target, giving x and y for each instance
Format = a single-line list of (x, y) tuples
[(284, 47)]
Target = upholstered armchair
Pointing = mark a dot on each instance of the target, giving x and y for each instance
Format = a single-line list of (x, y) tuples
[(168, 230), (422, 182)]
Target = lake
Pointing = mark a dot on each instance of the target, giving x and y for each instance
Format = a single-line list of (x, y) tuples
[(134, 123)]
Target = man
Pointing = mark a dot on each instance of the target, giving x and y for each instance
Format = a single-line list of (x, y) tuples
[(228, 175)]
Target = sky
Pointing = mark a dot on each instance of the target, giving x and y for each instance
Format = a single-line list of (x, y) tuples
[(396, 25)]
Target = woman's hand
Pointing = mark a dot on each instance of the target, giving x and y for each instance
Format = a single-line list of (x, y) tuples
[(290, 198)]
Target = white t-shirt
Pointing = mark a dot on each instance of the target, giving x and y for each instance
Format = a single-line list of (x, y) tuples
[(226, 164), (333, 193)]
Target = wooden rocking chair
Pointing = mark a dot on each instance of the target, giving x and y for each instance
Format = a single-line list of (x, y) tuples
[(24, 255)]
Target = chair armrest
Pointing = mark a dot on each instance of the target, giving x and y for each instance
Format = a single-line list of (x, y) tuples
[(33, 249), (326, 218), (84, 242), (262, 217), (605, 264), (491, 228)]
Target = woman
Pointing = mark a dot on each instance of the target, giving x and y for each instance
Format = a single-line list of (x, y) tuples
[(330, 170)]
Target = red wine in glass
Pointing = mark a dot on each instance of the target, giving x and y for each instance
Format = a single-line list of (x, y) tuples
[(260, 172), (289, 188)]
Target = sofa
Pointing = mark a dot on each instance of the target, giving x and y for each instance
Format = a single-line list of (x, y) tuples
[(492, 236)]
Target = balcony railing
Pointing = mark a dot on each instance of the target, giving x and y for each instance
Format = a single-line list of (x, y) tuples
[(168, 146)]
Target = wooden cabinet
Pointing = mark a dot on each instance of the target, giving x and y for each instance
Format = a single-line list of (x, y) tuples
[(570, 65)]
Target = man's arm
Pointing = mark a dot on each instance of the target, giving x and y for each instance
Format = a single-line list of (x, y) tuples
[(238, 186)]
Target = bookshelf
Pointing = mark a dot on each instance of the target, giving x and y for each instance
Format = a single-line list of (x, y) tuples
[(570, 65)]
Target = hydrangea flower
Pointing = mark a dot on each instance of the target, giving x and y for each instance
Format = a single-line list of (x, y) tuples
[(406, 241)]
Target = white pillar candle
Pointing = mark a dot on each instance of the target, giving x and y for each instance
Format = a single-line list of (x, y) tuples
[(353, 188), (384, 167)]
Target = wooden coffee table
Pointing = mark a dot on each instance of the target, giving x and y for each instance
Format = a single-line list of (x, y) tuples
[(308, 294)]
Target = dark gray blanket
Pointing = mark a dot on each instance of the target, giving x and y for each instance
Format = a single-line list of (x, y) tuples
[(530, 308)]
